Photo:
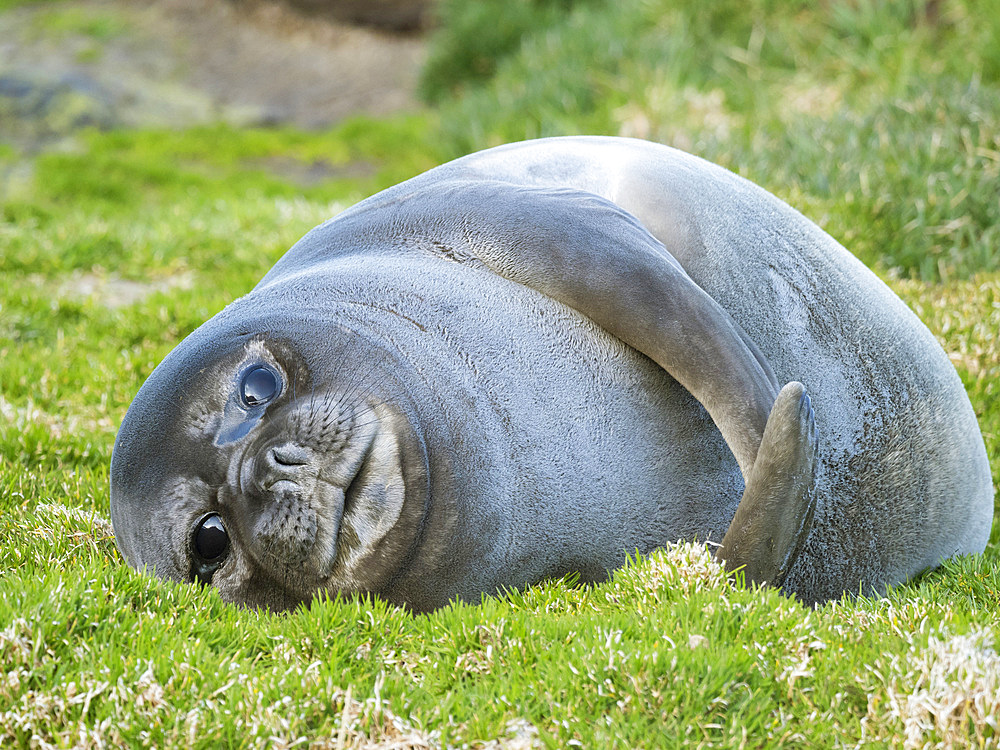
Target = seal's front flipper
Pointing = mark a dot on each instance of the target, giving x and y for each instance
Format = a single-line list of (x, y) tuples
[(587, 252), (775, 515)]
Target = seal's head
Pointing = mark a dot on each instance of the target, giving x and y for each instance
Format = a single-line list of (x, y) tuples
[(245, 465)]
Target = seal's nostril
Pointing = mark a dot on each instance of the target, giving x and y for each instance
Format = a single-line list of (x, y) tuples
[(289, 455)]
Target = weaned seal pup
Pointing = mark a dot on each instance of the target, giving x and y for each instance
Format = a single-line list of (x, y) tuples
[(537, 359)]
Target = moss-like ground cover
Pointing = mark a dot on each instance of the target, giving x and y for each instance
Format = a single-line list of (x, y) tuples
[(878, 120)]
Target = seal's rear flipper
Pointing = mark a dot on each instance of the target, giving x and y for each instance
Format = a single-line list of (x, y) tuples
[(775, 515)]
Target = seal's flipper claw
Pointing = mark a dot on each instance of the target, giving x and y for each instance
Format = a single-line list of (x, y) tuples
[(775, 514)]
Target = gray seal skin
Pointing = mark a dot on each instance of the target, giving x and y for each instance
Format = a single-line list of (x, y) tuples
[(538, 359)]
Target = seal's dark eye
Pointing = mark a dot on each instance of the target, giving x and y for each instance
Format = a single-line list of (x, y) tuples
[(211, 542), (259, 386)]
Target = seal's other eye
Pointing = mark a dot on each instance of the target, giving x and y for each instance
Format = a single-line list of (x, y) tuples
[(210, 542), (260, 385)]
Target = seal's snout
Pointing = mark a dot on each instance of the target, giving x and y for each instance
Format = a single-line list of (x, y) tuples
[(292, 481), (294, 515)]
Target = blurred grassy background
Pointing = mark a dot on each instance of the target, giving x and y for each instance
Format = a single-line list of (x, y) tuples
[(876, 119)]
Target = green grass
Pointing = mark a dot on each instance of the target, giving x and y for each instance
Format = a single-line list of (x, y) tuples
[(116, 202), (669, 652), (113, 250)]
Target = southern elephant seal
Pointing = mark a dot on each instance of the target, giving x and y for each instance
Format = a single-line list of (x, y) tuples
[(537, 359)]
